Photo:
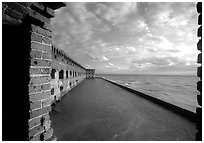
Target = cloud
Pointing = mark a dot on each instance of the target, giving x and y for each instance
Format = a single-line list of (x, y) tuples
[(129, 37)]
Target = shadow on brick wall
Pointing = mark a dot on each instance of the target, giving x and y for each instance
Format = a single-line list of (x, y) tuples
[(15, 75)]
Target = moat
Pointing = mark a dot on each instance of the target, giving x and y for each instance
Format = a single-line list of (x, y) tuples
[(98, 110)]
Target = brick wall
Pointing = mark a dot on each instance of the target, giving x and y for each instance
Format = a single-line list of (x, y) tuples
[(27, 37), (199, 73), (66, 74)]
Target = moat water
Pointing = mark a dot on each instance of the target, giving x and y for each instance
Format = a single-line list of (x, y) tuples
[(179, 90), (97, 110)]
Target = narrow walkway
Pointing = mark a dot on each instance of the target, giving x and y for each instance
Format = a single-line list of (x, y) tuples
[(97, 110)]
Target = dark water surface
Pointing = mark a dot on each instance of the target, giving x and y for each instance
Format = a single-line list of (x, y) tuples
[(179, 90), (97, 110)]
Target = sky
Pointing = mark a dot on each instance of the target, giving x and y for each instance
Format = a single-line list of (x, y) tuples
[(129, 37)]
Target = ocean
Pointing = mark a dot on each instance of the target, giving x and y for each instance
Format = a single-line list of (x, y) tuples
[(180, 90)]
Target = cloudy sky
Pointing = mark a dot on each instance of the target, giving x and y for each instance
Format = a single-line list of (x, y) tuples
[(129, 38)]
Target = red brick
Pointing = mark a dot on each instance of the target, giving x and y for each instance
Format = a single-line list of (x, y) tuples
[(9, 20), (35, 122), (36, 37), (38, 16), (35, 130), (35, 88), (46, 55), (26, 4), (39, 112), (46, 70), (47, 26), (41, 31), (47, 40), (50, 12), (41, 47), (37, 5), (46, 86), (34, 71), (17, 6), (13, 13), (35, 54), (47, 101), (37, 137), (39, 62), (35, 105), (52, 138), (48, 134), (4, 7), (40, 96), (39, 80)]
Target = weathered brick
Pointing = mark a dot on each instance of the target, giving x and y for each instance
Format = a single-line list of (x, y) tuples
[(34, 70), (36, 37), (26, 4), (46, 86), (40, 96), (47, 101), (9, 20), (40, 30), (48, 134), (35, 54), (37, 5), (47, 40), (52, 91), (17, 6), (13, 13), (38, 16), (34, 88), (39, 80), (199, 60), (35, 105), (38, 137), (42, 63), (34, 122), (52, 138), (4, 7), (50, 12), (47, 26), (46, 70), (46, 122), (40, 111), (46, 55), (35, 130), (41, 47)]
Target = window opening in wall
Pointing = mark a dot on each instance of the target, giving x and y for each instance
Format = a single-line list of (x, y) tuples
[(61, 74), (53, 73), (66, 74), (70, 73)]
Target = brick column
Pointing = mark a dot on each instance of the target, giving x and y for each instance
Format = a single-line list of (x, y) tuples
[(27, 34), (199, 74)]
